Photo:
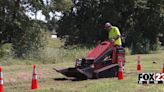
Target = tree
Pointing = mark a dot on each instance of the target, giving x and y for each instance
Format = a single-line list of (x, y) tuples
[(135, 18), (18, 29), (26, 35), (84, 24), (147, 25)]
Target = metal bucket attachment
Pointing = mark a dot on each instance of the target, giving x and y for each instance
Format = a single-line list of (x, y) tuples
[(84, 73), (73, 72)]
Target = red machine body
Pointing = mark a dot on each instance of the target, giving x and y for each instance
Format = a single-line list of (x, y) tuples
[(99, 50)]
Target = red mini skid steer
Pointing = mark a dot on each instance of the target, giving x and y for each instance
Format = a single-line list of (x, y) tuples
[(101, 62)]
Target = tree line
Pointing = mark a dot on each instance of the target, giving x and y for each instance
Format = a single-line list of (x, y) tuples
[(26, 35), (140, 22)]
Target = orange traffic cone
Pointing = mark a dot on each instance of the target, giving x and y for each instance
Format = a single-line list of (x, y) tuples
[(163, 69), (35, 84), (139, 67), (1, 81), (120, 73)]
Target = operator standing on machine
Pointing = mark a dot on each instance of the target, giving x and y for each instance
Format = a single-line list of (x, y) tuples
[(113, 34)]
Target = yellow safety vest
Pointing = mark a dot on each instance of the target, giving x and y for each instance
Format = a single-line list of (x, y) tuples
[(113, 33)]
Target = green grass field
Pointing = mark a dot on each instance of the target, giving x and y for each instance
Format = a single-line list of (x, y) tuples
[(18, 73)]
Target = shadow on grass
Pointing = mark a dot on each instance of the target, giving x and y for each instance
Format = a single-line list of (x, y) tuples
[(66, 79), (60, 79)]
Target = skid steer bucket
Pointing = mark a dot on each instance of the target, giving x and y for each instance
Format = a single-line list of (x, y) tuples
[(76, 72)]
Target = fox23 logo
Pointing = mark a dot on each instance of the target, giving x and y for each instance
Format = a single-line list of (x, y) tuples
[(152, 78)]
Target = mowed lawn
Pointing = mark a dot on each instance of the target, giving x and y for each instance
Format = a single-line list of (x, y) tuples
[(17, 78), (18, 73)]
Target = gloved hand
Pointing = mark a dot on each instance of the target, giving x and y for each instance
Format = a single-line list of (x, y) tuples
[(113, 40)]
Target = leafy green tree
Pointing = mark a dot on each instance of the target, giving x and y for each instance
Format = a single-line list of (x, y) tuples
[(84, 24), (29, 41), (139, 21), (147, 25), (24, 34)]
